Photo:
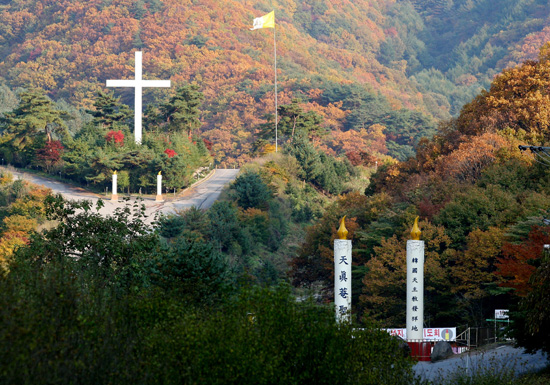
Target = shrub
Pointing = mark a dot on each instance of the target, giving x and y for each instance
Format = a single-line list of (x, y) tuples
[(251, 191)]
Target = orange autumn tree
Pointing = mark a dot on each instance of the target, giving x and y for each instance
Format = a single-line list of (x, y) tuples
[(16, 234), (519, 260), (519, 99), (475, 267), (23, 216), (468, 161), (384, 293)]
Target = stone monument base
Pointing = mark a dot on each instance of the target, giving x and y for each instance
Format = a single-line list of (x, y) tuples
[(159, 198), (114, 197)]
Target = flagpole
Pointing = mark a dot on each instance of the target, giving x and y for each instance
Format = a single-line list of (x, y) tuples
[(276, 117)]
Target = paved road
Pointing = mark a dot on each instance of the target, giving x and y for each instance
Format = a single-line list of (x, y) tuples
[(490, 361), (203, 194)]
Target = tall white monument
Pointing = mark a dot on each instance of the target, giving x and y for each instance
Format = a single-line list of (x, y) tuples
[(342, 274), (415, 285), (114, 195), (138, 83), (159, 188)]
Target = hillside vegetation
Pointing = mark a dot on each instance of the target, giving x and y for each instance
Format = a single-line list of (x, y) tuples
[(387, 110), (483, 205), (399, 65)]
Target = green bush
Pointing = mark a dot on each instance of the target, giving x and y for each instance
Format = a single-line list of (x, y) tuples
[(193, 268), (57, 328), (251, 191)]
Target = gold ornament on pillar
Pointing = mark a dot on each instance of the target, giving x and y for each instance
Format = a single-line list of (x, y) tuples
[(415, 232), (342, 231)]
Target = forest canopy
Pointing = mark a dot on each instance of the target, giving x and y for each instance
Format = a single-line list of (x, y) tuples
[(397, 65)]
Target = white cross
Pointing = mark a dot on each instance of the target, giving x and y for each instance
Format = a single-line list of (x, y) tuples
[(138, 83)]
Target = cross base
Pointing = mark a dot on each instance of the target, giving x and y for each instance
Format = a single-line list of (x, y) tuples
[(159, 198), (114, 197)]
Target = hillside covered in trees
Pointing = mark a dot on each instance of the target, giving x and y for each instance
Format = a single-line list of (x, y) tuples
[(359, 83), (399, 66), (484, 207)]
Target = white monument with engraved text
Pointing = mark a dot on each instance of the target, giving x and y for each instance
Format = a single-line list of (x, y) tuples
[(415, 285), (342, 274)]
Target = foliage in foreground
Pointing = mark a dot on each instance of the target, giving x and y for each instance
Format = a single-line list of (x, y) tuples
[(61, 331), (101, 300)]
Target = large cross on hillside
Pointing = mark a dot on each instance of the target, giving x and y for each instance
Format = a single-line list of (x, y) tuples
[(138, 83)]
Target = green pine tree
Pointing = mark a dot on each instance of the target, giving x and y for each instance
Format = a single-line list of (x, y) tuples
[(35, 116), (109, 111), (294, 120), (182, 110)]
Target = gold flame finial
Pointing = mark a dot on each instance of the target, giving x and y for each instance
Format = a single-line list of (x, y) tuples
[(160, 173), (342, 231), (415, 232), (114, 173)]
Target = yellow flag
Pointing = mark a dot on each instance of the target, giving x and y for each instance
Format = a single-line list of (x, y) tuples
[(266, 21)]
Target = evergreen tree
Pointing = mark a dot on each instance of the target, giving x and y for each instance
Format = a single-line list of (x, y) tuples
[(251, 191), (191, 267), (109, 111), (182, 110), (224, 224), (294, 120), (35, 116), (328, 179), (307, 156)]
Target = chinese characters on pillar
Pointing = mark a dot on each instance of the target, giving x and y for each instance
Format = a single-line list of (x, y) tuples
[(415, 289), (342, 279)]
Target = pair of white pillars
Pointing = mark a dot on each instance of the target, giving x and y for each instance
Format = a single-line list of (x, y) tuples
[(114, 196), (415, 280)]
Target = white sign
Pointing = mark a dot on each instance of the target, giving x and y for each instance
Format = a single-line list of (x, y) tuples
[(430, 334), (501, 314)]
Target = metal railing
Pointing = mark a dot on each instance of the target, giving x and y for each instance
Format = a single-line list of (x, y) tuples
[(476, 337)]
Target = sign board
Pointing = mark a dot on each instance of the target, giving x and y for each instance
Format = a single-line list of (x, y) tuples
[(501, 314), (430, 334)]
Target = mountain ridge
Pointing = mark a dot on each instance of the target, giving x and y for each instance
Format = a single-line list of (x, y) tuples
[(69, 48)]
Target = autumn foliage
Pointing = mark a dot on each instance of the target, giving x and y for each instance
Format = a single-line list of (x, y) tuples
[(50, 155), (482, 202), (23, 211), (356, 65), (518, 262), (171, 153), (116, 137)]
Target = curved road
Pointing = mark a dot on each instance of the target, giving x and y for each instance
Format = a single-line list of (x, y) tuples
[(202, 194), (497, 360)]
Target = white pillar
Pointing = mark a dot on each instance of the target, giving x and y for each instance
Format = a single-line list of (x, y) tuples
[(415, 290), (114, 196), (342, 275), (159, 188)]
